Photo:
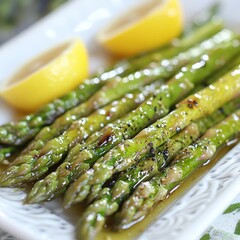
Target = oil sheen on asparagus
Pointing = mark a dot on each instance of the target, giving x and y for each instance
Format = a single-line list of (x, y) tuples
[(130, 151), (169, 94), (128, 136), (18, 133)]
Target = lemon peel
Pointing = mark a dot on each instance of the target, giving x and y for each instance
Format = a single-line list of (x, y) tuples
[(47, 77), (143, 28)]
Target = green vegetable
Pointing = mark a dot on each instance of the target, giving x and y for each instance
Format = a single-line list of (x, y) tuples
[(109, 199), (188, 160), (18, 133), (145, 114), (130, 151), (31, 168)]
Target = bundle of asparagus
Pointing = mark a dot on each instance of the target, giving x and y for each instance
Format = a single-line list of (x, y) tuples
[(129, 135), (148, 193), (128, 127), (19, 133)]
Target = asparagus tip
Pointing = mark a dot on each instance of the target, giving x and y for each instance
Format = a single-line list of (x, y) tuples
[(15, 175)]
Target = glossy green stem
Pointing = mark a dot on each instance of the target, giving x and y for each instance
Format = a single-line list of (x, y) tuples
[(149, 111), (130, 151), (164, 154), (33, 169), (186, 163), (55, 149), (18, 133), (109, 199)]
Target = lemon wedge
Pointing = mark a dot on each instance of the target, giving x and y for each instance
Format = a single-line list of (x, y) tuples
[(47, 77), (143, 28)]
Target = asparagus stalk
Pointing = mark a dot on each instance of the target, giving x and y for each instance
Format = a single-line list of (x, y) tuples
[(192, 157), (56, 149), (29, 159), (203, 21), (116, 88), (130, 151), (158, 106), (176, 46), (111, 91), (18, 133), (80, 129), (165, 153), (229, 66), (110, 199)]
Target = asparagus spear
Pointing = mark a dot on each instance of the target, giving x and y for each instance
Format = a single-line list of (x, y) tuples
[(192, 157), (229, 66), (158, 106), (119, 86), (176, 46), (165, 153), (25, 129), (94, 217), (130, 151), (18, 133), (55, 149), (111, 91), (203, 21), (27, 160)]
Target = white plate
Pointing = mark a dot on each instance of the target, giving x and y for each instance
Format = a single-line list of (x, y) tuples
[(187, 217)]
